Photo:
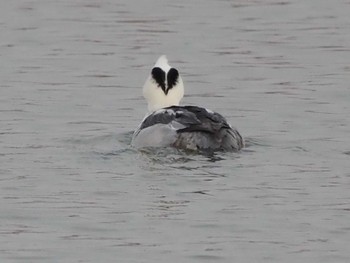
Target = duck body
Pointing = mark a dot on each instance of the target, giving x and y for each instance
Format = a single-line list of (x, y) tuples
[(187, 127)]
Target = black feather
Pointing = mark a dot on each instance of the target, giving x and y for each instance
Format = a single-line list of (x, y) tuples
[(159, 76), (172, 78)]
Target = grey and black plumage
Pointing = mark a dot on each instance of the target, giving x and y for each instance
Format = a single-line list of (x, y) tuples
[(185, 127), (193, 128)]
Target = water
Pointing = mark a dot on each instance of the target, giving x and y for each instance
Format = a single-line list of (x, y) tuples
[(73, 190)]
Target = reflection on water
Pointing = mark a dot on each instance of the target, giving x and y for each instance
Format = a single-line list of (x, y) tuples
[(71, 186)]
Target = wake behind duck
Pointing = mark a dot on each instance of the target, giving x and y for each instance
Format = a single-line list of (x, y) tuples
[(185, 127)]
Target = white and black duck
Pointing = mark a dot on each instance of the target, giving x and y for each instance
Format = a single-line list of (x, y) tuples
[(184, 127)]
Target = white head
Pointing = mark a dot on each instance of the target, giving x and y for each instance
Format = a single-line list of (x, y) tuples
[(164, 86)]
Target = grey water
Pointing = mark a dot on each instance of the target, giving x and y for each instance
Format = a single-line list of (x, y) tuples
[(73, 190)]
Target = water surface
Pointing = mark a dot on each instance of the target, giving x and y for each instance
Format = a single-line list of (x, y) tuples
[(73, 190)]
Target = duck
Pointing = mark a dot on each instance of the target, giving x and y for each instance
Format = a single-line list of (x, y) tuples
[(169, 124)]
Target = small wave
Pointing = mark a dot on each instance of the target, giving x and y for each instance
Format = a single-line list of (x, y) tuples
[(250, 142)]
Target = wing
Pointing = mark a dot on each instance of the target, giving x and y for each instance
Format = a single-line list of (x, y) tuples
[(208, 121), (176, 115), (192, 118), (211, 133)]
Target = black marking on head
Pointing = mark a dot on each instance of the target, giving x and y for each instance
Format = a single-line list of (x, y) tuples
[(159, 76), (173, 78)]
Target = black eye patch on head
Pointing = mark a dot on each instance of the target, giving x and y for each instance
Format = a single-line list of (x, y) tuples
[(159, 76), (172, 77)]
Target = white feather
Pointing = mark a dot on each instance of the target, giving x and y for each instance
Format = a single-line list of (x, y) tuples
[(162, 63)]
